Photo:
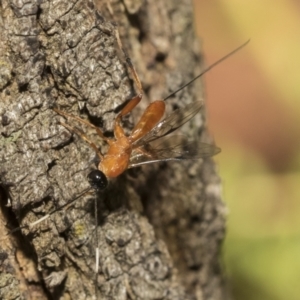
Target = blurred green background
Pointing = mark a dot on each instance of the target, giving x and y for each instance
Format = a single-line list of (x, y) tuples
[(253, 106)]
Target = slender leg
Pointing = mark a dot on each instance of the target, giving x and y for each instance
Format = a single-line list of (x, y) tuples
[(129, 64), (110, 10), (84, 137), (132, 103), (99, 132), (118, 130)]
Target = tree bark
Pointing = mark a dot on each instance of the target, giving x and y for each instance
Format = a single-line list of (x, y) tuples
[(160, 228)]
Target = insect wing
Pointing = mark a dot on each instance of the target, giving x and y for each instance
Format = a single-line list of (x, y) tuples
[(173, 147), (171, 123)]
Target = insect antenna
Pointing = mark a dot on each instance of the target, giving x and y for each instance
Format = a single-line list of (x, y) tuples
[(98, 182), (51, 212), (207, 69)]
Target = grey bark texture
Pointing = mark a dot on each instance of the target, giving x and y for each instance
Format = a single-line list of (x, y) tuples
[(160, 228)]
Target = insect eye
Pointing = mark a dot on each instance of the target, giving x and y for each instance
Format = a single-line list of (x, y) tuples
[(97, 180)]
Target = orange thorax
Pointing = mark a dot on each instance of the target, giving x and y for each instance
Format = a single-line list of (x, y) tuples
[(116, 160)]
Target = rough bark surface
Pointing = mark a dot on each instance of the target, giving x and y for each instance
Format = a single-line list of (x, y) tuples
[(160, 228)]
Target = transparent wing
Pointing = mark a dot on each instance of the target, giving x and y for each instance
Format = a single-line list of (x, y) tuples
[(171, 148), (171, 123)]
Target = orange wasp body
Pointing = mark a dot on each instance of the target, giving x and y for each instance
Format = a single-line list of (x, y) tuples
[(138, 148), (117, 158)]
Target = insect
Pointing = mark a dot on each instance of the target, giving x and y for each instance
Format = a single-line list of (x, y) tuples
[(149, 141)]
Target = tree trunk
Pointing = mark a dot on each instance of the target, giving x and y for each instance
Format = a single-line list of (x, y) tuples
[(160, 227)]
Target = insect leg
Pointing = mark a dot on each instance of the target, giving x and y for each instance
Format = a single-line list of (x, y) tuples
[(129, 63), (135, 100), (128, 107), (84, 137), (99, 132)]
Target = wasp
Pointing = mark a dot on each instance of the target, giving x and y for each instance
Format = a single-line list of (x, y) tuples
[(149, 140)]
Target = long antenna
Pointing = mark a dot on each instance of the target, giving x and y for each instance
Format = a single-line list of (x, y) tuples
[(50, 213), (208, 68)]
